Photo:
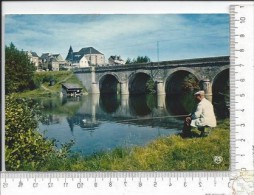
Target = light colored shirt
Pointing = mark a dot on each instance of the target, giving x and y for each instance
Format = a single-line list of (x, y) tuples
[(204, 115)]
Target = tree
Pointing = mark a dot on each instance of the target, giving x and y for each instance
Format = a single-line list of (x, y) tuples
[(190, 82), (19, 70), (139, 59), (128, 61), (151, 87)]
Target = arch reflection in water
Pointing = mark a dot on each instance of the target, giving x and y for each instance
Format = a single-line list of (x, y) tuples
[(180, 104), (142, 105), (109, 103), (184, 103)]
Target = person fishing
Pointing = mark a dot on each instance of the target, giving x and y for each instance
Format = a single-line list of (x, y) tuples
[(202, 117)]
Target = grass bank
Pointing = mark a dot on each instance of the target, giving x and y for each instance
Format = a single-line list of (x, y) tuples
[(45, 89), (172, 153)]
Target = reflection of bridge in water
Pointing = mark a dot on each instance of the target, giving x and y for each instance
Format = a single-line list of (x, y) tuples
[(146, 110), (142, 110)]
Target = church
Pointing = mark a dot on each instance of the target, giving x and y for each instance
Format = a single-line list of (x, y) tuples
[(85, 57)]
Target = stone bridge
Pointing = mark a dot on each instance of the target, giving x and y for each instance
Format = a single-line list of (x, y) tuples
[(212, 74)]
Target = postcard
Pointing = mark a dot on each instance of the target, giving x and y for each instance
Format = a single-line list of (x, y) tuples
[(117, 92)]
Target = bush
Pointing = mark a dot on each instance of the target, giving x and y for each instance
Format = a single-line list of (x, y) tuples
[(24, 145), (35, 83), (48, 78)]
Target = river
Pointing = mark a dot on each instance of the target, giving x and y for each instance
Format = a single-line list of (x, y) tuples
[(102, 122)]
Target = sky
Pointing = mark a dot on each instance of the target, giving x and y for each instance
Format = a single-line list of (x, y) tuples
[(159, 36)]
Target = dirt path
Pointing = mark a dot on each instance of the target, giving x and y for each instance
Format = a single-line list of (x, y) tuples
[(45, 88), (66, 78)]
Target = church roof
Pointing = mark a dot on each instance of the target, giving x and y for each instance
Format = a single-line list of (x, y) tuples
[(34, 54), (76, 56), (88, 50), (45, 55)]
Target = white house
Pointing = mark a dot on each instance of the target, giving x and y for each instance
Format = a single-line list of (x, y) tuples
[(116, 60), (52, 61), (34, 58), (83, 62)]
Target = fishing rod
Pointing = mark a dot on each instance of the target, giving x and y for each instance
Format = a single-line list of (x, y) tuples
[(137, 119)]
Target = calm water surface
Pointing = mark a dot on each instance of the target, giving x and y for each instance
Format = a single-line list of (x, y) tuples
[(103, 122)]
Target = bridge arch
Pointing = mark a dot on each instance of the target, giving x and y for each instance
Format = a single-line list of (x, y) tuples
[(220, 82), (109, 83), (175, 79), (138, 83)]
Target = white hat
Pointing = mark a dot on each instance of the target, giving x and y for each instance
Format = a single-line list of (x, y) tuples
[(200, 93)]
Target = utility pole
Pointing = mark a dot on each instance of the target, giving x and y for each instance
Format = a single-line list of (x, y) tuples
[(158, 52)]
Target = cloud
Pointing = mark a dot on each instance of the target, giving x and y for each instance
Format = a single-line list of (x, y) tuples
[(194, 35)]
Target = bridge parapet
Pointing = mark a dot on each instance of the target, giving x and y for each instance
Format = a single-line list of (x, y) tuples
[(211, 61)]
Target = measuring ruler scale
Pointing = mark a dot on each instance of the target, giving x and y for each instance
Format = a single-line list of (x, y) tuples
[(239, 180)]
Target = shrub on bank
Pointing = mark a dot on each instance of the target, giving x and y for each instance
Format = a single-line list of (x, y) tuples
[(25, 147)]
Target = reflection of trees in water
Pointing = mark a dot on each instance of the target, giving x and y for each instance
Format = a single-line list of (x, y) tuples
[(109, 103), (180, 104), (49, 119), (58, 106)]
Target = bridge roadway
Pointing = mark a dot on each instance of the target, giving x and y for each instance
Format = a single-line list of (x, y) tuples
[(212, 73)]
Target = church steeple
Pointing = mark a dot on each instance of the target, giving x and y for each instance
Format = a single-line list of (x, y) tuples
[(69, 57)]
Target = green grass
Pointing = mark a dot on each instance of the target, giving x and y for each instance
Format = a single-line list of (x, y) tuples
[(172, 153), (45, 89)]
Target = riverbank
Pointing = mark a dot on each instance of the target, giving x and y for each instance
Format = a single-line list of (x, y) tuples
[(172, 153), (45, 89)]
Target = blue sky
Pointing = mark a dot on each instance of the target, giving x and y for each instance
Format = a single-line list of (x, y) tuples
[(179, 36)]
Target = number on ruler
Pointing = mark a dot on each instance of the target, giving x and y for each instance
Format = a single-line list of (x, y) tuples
[(170, 184), (5, 185), (35, 185), (50, 185), (65, 184), (242, 125), (20, 184), (80, 185), (242, 20)]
